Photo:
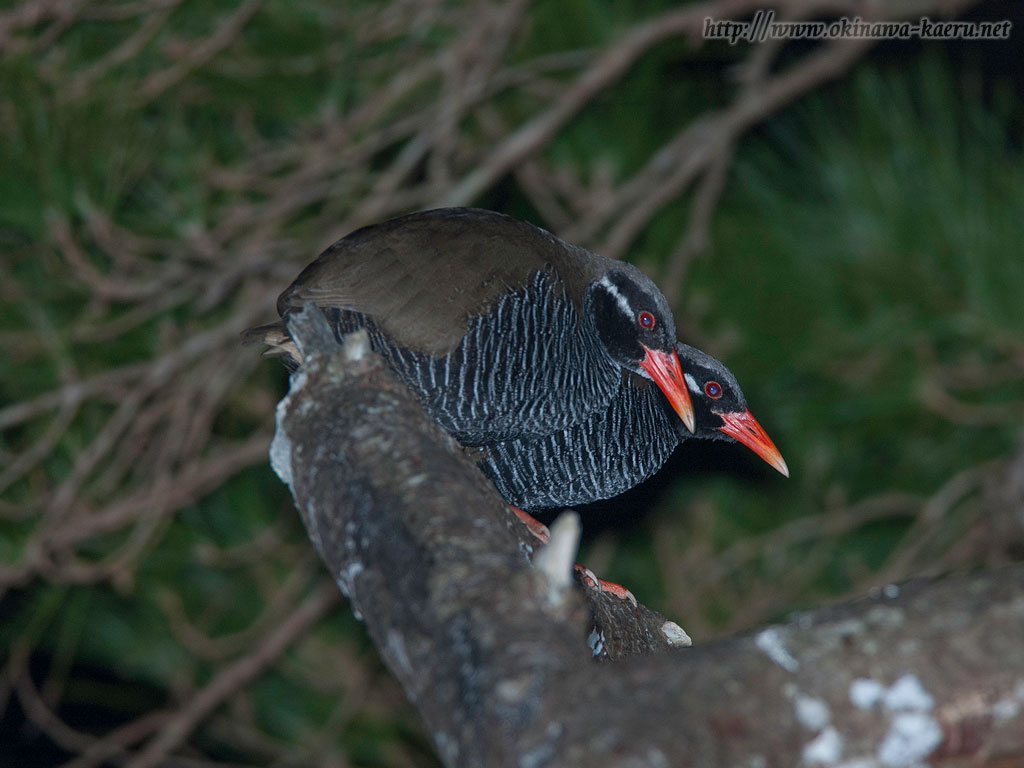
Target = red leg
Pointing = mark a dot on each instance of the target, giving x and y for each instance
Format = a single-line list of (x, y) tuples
[(541, 531), (536, 527), (610, 587)]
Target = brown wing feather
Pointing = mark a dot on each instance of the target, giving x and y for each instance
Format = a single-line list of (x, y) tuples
[(423, 277)]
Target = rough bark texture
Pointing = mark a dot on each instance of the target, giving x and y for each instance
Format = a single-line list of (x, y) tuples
[(495, 655)]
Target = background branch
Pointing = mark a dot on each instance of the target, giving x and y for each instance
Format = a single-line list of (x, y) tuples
[(834, 218)]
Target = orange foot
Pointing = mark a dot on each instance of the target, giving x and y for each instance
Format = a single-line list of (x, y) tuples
[(541, 531), (610, 587)]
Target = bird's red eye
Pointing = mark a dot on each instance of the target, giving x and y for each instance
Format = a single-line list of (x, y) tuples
[(713, 390), (646, 320)]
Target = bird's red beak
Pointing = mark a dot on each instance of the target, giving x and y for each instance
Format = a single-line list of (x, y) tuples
[(664, 368), (744, 427)]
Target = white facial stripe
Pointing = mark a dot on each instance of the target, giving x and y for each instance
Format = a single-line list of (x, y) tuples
[(692, 384), (621, 300)]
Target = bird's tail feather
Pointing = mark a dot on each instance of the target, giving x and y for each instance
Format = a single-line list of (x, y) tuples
[(279, 342)]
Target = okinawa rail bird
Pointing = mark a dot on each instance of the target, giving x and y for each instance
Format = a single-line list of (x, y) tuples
[(609, 452), (560, 366)]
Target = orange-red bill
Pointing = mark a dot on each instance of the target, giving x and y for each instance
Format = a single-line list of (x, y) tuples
[(664, 368), (744, 428)]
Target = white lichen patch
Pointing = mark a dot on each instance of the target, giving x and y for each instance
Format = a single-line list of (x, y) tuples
[(281, 455), (395, 647), (913, 732), (596, 641), (512, 690), (812, 713), (675, 635), (356, 345), (346, 579), (825, 749), (415, 480), (859, 762), (911, 738), (447, 747), (907, 694), (281, 445), (885, 616), (770, 642), (865, 693), (1010, 707), (1005, 709)]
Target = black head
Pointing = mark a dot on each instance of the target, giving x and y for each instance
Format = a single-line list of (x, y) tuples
[(636, 327), (631, 316), (719, 407)]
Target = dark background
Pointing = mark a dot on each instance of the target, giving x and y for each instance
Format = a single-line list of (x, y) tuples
[(852, 250)]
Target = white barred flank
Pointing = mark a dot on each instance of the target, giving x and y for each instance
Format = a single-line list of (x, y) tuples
[(525, 369), (600, 457)]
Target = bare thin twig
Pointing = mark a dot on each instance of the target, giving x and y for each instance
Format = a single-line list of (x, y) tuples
[(233, 677)]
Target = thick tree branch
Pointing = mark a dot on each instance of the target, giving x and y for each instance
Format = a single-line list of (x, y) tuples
[(496, 657)]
